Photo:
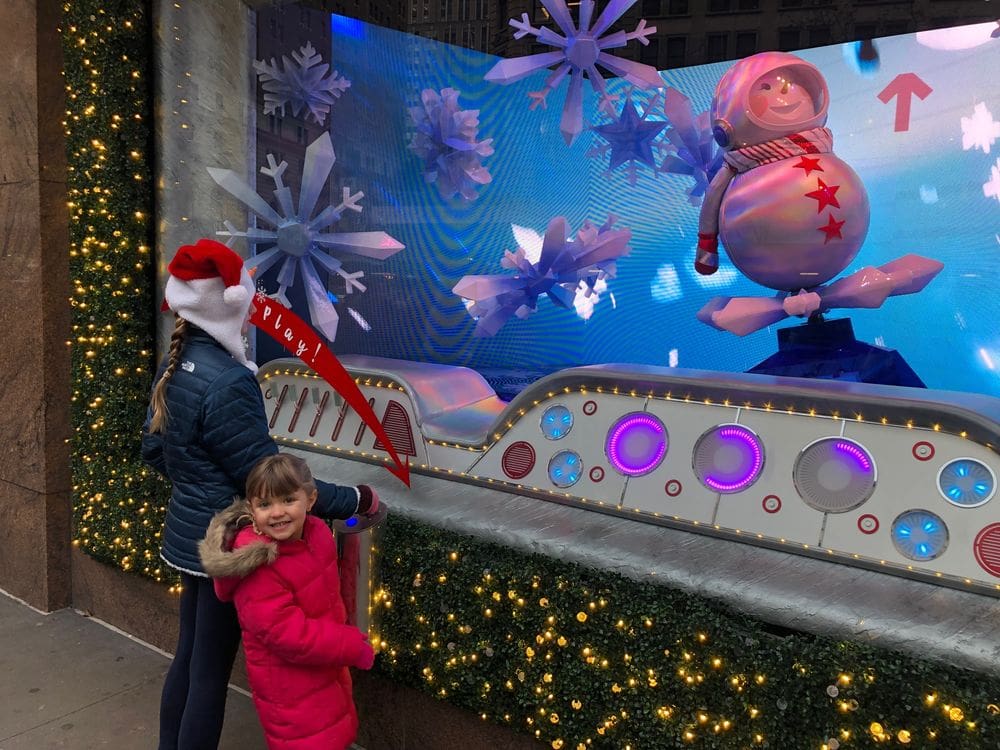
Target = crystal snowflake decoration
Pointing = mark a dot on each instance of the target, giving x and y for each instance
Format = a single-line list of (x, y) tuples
[(696, 153), (296, 240), (446, 141), (587, 295), (561, 267), (631, 139), (301, 86), (980, 130), (577, 54)]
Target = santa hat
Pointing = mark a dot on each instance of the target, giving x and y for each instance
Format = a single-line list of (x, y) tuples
[(210, 288)]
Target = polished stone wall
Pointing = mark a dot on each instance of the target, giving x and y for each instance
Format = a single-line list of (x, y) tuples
[(34, 309)]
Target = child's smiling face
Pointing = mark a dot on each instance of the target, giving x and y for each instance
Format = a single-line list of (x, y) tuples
[(282, 517)]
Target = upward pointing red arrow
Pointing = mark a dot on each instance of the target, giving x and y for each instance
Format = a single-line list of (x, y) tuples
[(904, 86)]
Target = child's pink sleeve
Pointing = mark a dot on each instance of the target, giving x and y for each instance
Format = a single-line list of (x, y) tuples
[(267, 611)]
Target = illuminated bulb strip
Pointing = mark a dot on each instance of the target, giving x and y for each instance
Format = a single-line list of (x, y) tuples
[(746, 439), (852, 449)]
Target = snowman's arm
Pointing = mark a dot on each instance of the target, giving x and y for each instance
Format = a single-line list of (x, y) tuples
[(707, 260)]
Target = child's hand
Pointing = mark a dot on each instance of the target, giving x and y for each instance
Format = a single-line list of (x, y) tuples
[(368, 502), (361, 654)]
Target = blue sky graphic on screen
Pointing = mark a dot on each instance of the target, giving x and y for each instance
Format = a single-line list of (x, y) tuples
[(931, 168)]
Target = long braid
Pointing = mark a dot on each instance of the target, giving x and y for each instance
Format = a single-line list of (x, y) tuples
[(159, 398)]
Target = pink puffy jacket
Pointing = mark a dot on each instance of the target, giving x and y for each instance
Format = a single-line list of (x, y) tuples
[(298, 647)]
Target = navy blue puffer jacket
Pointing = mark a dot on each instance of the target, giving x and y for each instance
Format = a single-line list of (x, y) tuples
[(215, 433)]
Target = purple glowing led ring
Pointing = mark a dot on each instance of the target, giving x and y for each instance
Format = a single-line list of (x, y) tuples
[(636, 444), (728, 458)]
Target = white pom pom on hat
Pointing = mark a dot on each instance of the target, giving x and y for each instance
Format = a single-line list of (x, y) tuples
[(211, 289), (235, 295)]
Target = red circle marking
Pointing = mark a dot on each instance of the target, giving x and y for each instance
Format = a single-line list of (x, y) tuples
[(923, 451), (867, 524), (986, 548), (518, 460), (673, 488), (596, 474), (589, 407), (771, 503)]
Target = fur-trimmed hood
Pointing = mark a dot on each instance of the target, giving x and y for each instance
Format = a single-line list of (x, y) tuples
[(224, 556)]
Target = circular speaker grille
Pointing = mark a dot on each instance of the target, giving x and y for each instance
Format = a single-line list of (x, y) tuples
[(966, 482), (728, 458), (986, 547), (919, 535), (834, 475), (518, 460)]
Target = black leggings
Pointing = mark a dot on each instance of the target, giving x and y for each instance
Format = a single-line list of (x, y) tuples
[(194, 692)]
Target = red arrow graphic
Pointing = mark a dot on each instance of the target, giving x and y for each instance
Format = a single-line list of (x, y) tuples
[(904, 86), (298, 337)]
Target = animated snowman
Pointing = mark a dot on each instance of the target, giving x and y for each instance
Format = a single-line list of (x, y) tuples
[(790, 213)]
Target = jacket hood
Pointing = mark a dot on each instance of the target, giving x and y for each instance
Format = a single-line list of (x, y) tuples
[(223, 556)]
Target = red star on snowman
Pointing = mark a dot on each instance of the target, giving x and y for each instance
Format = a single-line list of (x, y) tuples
[(825, 195)]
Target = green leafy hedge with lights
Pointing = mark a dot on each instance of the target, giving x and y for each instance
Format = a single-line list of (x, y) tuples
[(118, 502), (586, 659)]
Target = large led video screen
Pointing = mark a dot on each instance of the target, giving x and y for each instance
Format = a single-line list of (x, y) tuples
[(915, 116)]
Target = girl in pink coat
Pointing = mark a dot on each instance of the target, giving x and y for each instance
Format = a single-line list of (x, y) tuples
[(278, 565)]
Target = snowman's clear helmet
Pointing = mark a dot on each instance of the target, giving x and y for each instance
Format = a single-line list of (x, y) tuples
[(766, 96)]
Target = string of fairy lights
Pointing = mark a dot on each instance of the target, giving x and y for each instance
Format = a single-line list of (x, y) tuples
[(579, 659), (587, 659), (118, 502)]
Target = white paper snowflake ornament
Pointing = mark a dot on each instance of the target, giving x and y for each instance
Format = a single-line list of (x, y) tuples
[(446, 140), (577, 54), (296, 240), (301, 86)]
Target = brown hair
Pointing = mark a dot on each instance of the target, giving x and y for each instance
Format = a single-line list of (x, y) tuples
[(278, 475), (159, 417)]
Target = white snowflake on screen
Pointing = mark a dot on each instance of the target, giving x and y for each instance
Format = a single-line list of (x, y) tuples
[(302, 86), (991, 189), (980, 130)]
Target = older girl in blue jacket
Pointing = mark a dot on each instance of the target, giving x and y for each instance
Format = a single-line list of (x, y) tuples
[(205, 429)]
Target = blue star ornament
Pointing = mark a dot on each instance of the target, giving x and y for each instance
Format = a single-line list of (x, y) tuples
[(631, 137)]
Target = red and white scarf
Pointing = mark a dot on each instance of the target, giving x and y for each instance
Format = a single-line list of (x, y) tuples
[(815, 141)]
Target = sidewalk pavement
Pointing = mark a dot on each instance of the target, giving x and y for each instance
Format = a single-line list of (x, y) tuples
[(69, 681)]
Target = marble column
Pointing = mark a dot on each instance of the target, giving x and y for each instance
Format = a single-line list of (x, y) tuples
[(204, 117), (35, 499)]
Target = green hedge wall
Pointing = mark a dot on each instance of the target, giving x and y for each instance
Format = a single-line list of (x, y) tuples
[(586, 659), (118, 502)]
